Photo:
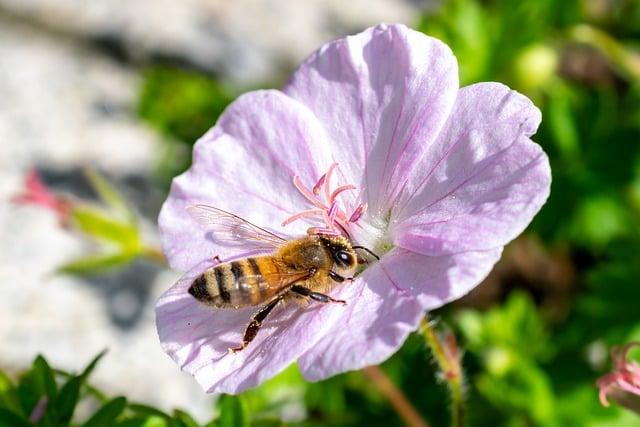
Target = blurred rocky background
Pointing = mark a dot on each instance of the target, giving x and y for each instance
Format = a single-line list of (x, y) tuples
[(71, 77)]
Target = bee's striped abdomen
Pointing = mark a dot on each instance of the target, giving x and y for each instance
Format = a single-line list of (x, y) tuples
[(235, 284)]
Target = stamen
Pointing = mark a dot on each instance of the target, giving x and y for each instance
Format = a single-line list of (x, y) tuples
[(327, 182), (321, 230), (340, 190), (358, 212), (318, 186), (303, 214), (306, 193), (335, 220), (333, 210)]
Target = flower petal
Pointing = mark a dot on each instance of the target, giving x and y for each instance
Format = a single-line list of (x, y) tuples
[(197, 338), (387, 302), (435, 281), (371, 327), (483, 180), (245, 165), (383, 96)]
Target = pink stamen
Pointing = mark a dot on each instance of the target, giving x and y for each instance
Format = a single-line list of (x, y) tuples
[(318, 186), (327, 182), (306, 193), (321, 230), (339, 190), (333, 210), (358, 212), (335, 220), (303, 214)]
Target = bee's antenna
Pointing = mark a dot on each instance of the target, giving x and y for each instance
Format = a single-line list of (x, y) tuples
[(369, 251)]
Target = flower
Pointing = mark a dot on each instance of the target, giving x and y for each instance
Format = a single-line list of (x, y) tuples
[(438, 179), (37, 193), (624, 378)]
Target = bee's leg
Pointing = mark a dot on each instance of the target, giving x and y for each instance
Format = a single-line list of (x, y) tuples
[(338, 278), (217, 259), (316, 296), (256, 322)]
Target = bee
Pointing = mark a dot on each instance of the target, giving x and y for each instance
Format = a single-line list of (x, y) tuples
[(301, 270)]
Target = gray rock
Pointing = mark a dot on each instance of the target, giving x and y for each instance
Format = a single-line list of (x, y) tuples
[(63, 108), (246, 41)]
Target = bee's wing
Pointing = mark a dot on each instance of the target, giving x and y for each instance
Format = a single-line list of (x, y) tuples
[(279, 282), (229, 228)]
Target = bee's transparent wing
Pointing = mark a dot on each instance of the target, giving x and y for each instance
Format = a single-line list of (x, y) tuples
[(231, 229)]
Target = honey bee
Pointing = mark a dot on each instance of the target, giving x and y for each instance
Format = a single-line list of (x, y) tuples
[(302, 269)]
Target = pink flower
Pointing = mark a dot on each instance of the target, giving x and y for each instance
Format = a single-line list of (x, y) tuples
[(37, 193), (438, 180), (625, 376)]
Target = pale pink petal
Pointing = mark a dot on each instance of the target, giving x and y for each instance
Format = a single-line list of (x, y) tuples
[(481, 183), (197, 338), (386, 304), (382, 96), (435, 281), (374, 324), (245, 165)]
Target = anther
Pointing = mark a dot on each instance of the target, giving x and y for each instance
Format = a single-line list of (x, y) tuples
[(358, 212)]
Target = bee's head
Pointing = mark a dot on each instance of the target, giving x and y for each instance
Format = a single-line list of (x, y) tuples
[(345, 259)]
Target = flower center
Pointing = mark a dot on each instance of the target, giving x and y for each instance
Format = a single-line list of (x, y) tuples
[(326, 207)]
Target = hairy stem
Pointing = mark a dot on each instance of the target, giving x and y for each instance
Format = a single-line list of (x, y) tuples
[(448, 361), (399, 401)]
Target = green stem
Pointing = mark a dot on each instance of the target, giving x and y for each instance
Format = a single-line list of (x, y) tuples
[(154, 254), (449, 363)]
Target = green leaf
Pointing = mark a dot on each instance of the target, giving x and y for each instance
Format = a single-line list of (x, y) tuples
[(101, 226), (68, 399), (92, 365), (147, 411), (8, 396), (34, 385), (184, 419), (233, 412), (43, 375), (107, 415), (11, 419), (110, 195), (94, 264), (143, 422)]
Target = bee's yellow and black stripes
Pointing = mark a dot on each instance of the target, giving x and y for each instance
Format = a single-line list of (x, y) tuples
[(239, 283)]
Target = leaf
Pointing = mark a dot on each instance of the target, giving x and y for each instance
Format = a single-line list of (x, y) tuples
[(184, 419), (143, 422), (107, 415), (11, 419), (101, 226), (43, 375), (34, 385), (91, 366), (94, 264), (68, 399), (110, 195), (147, 411), (233, 412), (8, 397)]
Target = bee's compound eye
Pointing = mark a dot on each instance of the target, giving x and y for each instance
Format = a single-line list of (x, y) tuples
[(344, 257)]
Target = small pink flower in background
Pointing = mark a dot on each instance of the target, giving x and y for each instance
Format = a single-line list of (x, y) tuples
[(625, 376), (434, 178), (37, 193)]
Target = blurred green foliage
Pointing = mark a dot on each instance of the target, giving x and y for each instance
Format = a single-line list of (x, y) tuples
[(45, 397), (182, 105), (112, 226)]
